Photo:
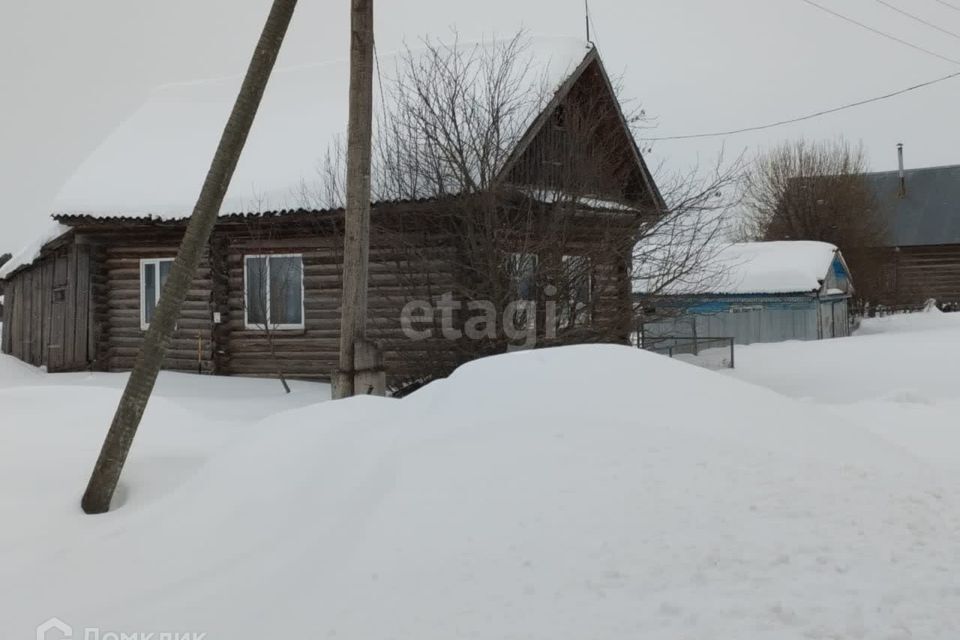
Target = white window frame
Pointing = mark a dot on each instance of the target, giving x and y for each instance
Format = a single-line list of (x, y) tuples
[(246, 292), (144, 325)]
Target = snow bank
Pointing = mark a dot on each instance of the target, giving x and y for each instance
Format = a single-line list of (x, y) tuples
[(154, 163), (761, 267), (929, 320), (896, 356), (896, 377), (585, 492)]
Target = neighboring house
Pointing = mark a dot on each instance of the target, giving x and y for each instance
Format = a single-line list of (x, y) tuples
[(758, 292), (84, 296), (921, 259)]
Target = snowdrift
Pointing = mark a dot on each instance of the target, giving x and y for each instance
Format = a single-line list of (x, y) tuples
[(905, 354), (584, 492)]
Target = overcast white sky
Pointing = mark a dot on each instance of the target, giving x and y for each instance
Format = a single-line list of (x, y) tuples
[(71, 71)]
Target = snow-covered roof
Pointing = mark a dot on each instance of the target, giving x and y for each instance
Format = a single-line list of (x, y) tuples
[(761, 268), (155, 162)]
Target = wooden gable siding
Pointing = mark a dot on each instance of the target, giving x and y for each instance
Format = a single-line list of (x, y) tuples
[(117, 302), (49, 313), (582, 145)]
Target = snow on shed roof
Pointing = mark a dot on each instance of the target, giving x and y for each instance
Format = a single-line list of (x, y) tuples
[(31, 252), (155, 162), (762, 268)]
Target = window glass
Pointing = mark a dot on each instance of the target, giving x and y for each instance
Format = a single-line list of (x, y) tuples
[(256, 290), (523, 271), (154, 275), (286, 290), (274, 291), (578, 290), (149, 291), (165, 266)]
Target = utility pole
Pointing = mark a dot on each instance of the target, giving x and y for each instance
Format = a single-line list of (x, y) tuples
[(361, 370)]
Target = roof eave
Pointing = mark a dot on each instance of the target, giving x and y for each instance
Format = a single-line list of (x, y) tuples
[(45, 250)]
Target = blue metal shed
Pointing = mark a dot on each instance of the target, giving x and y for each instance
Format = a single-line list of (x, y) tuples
[(758, 292)]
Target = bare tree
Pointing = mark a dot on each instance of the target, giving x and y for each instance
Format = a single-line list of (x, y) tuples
[(676, 250), (116, 447), (553, 238), (273, 295), (818, 191)]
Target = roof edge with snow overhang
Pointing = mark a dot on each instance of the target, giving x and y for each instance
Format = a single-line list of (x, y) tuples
[(762, 268), (155, 161), (30, 253)]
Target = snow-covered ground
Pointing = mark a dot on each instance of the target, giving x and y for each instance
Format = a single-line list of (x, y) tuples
[(587, 492), (899, 377)]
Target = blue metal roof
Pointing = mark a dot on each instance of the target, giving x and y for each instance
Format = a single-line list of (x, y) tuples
[(929, 212)]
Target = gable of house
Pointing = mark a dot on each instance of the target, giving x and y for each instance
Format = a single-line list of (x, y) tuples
[(585, 121)]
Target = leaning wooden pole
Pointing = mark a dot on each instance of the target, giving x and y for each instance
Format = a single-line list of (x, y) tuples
[(356, 251), (116, 447)]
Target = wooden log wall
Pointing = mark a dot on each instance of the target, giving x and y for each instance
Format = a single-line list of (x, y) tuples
[(603, 244), (312, 352), (412, 257), (922, 273), (408, 262), (116, 285)]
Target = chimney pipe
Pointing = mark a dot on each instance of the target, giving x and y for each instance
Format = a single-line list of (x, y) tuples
[(903, 177)]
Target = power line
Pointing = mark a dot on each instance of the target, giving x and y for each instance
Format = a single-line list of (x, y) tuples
[(810, 116), (844, 107), (952, 34), (882, 33), (947, 4)]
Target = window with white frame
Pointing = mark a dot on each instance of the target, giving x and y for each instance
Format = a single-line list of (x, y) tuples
[(578, 290), (153, 275), (274, 291)]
